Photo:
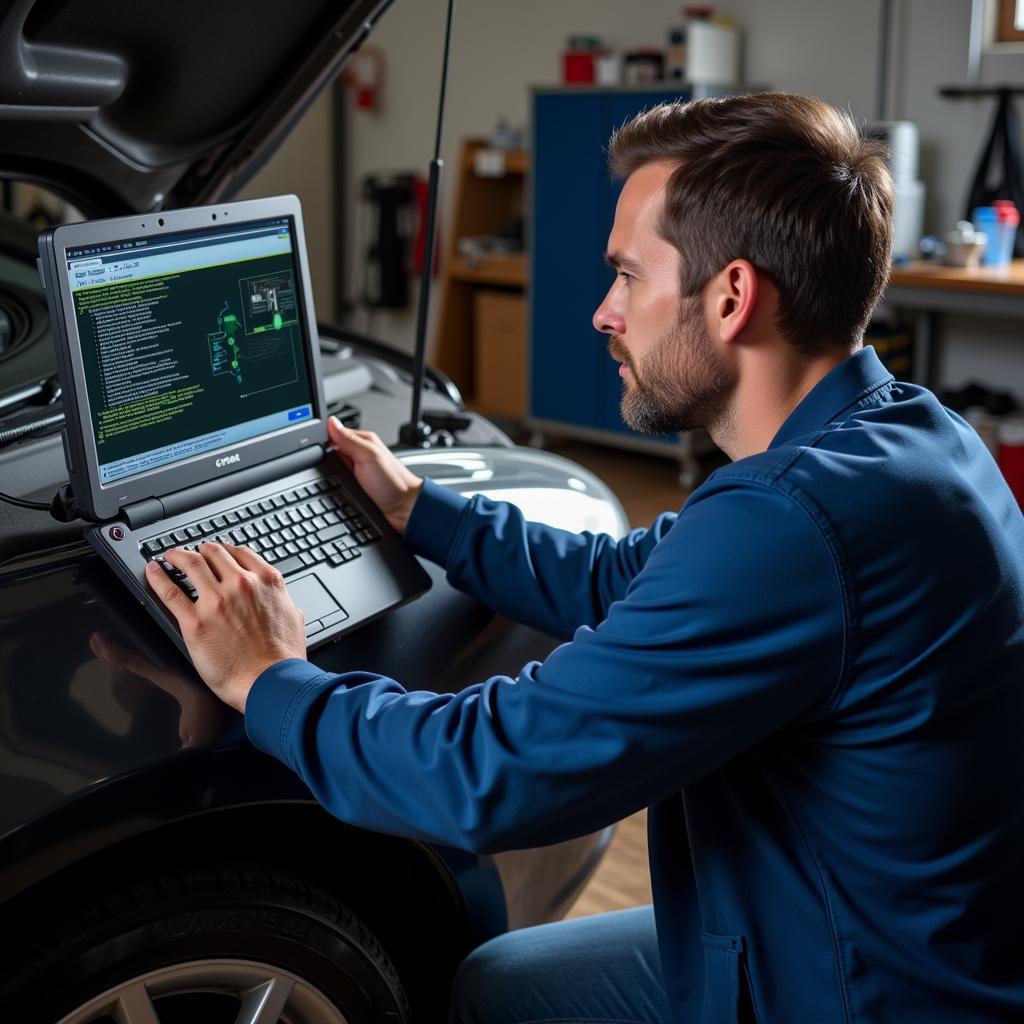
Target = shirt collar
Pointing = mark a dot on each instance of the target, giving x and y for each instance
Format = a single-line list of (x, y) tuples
[(842, 387)]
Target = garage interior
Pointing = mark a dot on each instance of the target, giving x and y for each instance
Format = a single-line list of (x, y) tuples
[(350, 158), (526, 201)]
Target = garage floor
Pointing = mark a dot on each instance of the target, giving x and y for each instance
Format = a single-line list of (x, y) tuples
[(646, 485)]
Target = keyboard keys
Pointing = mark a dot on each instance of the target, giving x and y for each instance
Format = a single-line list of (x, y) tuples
[(233, 518), (152, 547), (252, 511), (219, 522), (279, 501), (287, 565), (330, 532), (180, 537), (307, 559)]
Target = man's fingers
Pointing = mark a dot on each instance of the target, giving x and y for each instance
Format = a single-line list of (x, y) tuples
[(349, 440), (194, 566), (222, 562), (171, 595), (248, 559)]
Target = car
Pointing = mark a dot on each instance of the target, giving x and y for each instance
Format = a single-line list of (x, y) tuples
[(153, 865)]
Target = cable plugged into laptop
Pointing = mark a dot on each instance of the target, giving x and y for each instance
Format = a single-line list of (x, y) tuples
[(63, 507)]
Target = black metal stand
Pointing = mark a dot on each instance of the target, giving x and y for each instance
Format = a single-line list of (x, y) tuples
[(418, 433)]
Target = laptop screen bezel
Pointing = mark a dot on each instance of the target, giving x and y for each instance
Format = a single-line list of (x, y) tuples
[(101, 502)]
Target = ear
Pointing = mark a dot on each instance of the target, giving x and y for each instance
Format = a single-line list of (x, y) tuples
[(733, 294)]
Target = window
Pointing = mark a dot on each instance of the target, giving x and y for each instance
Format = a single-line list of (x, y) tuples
[(1010, 21)]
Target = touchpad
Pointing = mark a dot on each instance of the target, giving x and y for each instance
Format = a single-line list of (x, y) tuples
[(312, 597)]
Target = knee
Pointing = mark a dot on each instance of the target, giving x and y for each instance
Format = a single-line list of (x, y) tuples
[(476, 996)]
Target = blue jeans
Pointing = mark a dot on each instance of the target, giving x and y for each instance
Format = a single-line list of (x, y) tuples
[(602, 969)]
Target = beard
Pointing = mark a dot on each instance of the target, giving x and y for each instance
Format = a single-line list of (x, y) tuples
[(682, 383)]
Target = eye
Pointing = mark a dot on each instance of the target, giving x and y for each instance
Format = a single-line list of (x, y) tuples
[(625, 276)]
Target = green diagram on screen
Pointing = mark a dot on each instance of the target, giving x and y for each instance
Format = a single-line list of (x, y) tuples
[(256, 338)]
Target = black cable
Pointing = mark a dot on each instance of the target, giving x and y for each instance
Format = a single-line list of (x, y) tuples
[(12, 434), (36, 506)]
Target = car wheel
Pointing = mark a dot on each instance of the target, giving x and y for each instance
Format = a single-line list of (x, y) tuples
[(242, 944)]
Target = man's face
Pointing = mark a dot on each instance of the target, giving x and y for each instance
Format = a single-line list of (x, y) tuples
[(674, 377)]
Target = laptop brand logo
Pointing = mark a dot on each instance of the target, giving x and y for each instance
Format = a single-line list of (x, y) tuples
[(228, 460)]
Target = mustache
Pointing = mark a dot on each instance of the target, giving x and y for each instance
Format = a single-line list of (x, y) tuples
[(618, 351)]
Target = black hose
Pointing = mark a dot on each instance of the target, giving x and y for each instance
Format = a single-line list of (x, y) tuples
[(9, 434)]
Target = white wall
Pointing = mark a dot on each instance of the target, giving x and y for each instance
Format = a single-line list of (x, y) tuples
[(829, 48)]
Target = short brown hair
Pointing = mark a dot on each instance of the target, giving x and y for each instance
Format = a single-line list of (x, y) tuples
[(786, 182)]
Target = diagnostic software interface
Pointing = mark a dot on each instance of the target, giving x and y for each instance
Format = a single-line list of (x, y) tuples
[(190, 342)]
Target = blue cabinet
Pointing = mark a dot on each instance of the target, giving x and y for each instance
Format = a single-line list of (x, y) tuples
[(573, 381)]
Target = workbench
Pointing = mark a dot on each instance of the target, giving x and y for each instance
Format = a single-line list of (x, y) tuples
[(929, 289)]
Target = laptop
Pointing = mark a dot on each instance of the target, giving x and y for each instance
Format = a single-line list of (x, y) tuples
[(189, 360)]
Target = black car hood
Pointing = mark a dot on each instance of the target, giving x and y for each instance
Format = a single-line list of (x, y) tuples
[(123, 106)]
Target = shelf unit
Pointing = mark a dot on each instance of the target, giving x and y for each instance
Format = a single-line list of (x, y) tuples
[(485, 204)]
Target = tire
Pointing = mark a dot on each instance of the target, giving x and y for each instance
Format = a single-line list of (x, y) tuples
[(201, 945)]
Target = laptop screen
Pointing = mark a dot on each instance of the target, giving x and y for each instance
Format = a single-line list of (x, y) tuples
[(190, 342)]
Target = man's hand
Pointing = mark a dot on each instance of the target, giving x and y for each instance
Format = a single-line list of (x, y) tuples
[(390, 485), (243, 621)]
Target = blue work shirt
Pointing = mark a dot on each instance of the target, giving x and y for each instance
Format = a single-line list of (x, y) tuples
[(814, 674)]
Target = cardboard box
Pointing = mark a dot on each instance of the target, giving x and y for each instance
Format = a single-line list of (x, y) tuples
[(499, 332)]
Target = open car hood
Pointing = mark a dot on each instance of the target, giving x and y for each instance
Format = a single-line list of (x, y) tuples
[(125, 107)]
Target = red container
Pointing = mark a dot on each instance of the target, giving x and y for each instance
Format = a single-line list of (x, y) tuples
[(1011, 457), (577, 66)]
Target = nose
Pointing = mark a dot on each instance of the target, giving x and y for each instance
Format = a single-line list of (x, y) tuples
[(608, 318)]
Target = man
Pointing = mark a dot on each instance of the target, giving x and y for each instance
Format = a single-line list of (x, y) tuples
[(814, 674)]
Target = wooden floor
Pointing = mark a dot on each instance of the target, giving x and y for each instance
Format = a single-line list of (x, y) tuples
[(647, 486)]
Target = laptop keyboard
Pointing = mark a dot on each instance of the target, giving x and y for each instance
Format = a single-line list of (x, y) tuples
[(299, 528)]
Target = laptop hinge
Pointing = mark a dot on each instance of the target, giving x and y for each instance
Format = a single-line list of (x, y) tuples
[(143, 513), (150, 510)]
